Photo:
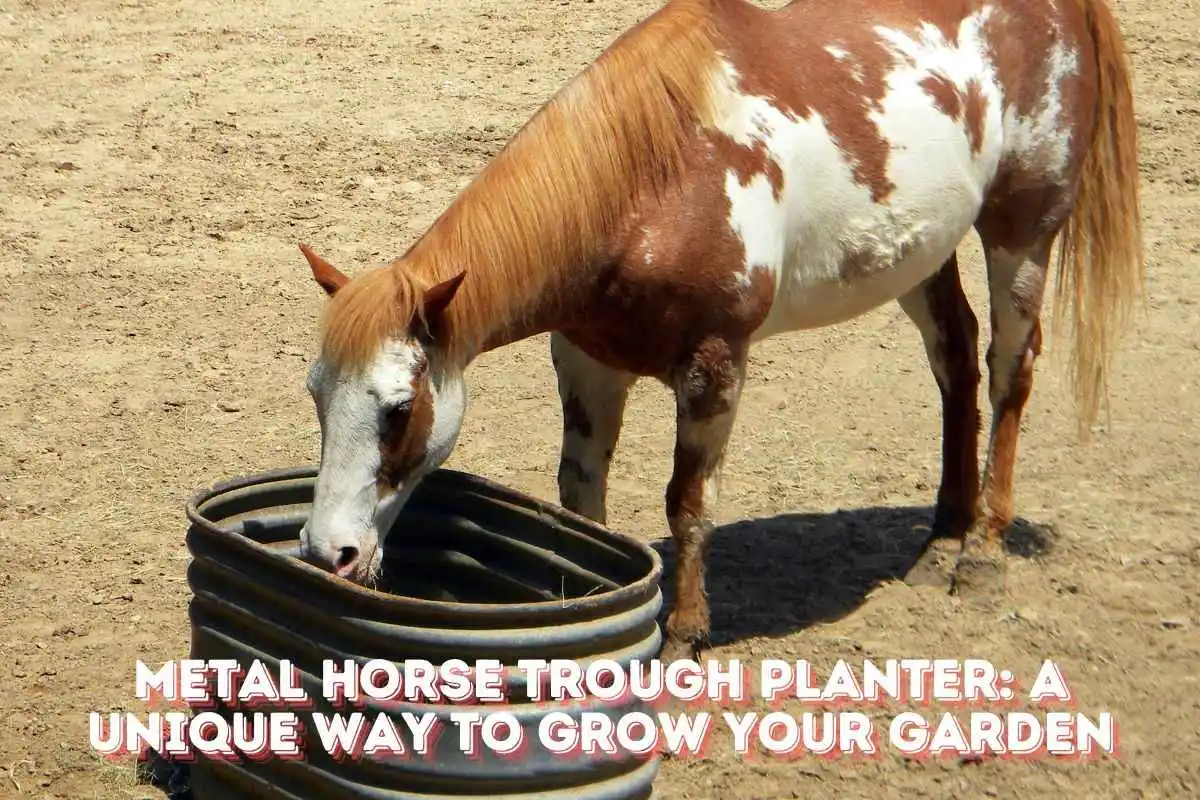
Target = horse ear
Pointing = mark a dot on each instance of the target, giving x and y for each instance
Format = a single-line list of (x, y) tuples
[(439, 296), (325, 274)]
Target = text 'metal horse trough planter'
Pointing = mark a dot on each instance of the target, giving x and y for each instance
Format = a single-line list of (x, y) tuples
[(473, 571)]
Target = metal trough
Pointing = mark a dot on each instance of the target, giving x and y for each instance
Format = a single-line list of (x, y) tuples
[(474, 570)]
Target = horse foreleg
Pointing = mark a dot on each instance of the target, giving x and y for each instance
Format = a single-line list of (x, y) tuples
[(593, 405), (707, 390), (1016, 282), (950, 332)]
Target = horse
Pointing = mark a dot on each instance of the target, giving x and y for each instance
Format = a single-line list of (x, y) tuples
[(723, 173)]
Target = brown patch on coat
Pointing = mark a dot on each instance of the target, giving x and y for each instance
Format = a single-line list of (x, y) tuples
[(689, 619), (967, 107), (944, 93), (707, 386), (749, 162), (685, 491), (1022, 205), (648, 318), (1019, 39), (998, 493), (974, 111), (957, 350), (844, 92), (405, 436)]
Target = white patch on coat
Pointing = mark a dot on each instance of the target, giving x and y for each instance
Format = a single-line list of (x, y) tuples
[(709, 437), (756, 217), (1010, 276), (832, 252), (916, 305), (602, 391), (1040, 141), (909, 111)]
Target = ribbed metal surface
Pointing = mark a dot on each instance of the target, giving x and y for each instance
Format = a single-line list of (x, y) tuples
[(474, 570)]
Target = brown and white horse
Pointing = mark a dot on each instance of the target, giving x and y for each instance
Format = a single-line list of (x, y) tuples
[(723, 173)]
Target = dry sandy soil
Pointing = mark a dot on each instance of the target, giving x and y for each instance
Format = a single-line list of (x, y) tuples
[(161, 160)]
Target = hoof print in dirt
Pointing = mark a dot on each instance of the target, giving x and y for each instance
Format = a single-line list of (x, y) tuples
[(980, 574), (935, 566)]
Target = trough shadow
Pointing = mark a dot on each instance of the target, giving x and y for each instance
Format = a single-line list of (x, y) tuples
[(778, 575)]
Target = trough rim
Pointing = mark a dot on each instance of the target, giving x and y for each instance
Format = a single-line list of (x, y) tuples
[(647, 585)]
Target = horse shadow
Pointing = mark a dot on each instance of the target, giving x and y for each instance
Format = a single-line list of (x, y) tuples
[(778, 575)]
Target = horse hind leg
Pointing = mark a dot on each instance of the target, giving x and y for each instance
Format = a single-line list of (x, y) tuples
[(593, 405), (950, 332), (1016, 283)]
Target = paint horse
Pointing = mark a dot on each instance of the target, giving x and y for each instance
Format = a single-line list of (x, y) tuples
[(723, 173)]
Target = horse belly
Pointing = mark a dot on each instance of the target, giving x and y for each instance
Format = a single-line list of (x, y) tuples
[(805, 303)]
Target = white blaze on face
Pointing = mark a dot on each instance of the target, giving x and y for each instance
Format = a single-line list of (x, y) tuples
[(349, 521)]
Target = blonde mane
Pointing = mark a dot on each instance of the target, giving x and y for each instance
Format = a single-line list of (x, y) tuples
[(546, 202)]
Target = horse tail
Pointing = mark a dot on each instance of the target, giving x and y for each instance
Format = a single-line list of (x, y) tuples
[(1101, 264)]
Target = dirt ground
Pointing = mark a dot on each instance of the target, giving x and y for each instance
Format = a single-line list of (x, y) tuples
[(161, 160)]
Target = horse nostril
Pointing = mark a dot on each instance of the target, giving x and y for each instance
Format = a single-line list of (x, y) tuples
[(346, 561)]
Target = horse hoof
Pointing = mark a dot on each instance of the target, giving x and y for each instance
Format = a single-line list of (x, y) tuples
[(935, 567), (682, 649)]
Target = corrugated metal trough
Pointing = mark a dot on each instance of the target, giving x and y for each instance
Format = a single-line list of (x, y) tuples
[(474, 570)]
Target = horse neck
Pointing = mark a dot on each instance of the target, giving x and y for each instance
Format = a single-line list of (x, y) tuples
[(514, 288), (536, 227), (495, 306)]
